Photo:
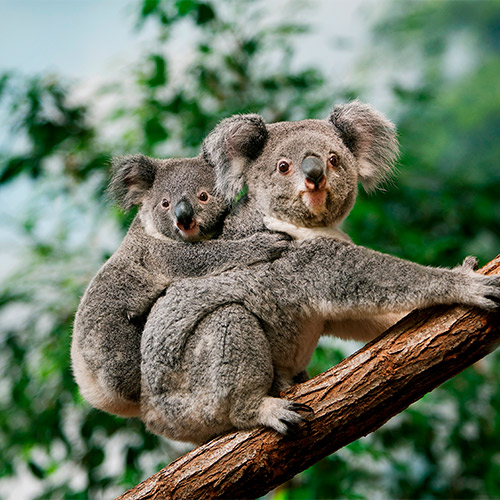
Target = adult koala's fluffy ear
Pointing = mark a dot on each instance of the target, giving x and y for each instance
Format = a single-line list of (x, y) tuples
[(131, 177), (230, 146), (370, 137)]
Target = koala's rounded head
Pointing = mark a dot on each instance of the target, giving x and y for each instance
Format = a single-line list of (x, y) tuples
[(305, 172), (176, 197)]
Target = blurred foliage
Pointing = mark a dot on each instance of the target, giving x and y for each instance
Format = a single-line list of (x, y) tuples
[(448, 120), (441, 62)]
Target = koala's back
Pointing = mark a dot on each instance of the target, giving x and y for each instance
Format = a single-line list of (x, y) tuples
[(196, 390), (116, 300), (124, 277)]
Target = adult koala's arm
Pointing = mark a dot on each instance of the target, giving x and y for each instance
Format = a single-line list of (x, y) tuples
[(349, 280), (326, 280)]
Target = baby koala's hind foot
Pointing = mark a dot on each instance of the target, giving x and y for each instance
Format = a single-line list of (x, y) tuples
[(281, 415)]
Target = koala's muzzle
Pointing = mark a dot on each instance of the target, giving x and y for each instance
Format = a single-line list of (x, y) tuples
[(314, 171), (184, 214)]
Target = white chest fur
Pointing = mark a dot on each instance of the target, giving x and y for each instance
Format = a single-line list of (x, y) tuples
[(304, 233)]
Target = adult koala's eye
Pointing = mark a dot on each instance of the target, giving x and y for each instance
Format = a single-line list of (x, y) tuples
[(203, 196), (165, 203), (283, 167), (333, 161)]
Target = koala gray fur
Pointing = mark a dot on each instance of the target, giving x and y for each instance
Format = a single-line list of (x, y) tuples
[(178, 209), (217, 351)]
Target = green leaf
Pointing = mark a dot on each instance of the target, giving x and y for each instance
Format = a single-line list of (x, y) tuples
[(14, 167), (184, 7), (205, 13), (159, 73), (155, 131), (36, 470), (148, 7)]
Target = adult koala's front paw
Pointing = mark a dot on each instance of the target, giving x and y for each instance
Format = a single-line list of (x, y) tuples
[(265, 247), (478, 290), (470, 263)]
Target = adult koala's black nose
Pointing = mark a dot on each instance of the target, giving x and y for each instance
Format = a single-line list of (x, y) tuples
[(314, 171), (184, 213)]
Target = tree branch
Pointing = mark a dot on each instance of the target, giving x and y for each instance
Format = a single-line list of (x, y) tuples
[(350, 400)]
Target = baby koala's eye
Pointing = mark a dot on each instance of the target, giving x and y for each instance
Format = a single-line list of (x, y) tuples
[(203, 196), (165, 203), (333, 161), (283, 167)]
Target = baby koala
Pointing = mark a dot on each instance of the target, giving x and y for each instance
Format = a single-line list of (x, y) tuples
[(177, 210)]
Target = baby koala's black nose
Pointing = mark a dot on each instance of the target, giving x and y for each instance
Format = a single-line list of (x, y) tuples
[(313, 170), (185, 214)]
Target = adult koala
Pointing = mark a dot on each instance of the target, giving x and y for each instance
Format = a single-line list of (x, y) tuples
[(217, 351)]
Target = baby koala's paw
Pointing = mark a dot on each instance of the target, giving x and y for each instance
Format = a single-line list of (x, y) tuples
[(265, 247), (282, 415)]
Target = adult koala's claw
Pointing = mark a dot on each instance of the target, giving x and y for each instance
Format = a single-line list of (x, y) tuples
[(494, 299), (291, 427), (302, 407)]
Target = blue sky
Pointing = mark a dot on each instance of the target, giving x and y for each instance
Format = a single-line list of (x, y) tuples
[(83, 38), (75, 38)]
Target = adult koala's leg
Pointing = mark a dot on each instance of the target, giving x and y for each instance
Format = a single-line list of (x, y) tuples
[(218, 380)]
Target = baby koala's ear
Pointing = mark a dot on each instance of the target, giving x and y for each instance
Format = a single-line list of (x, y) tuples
[(230, 146), (132, 177), (370, 137)]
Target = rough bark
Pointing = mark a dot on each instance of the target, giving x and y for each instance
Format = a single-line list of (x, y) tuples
[(350, 400)]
